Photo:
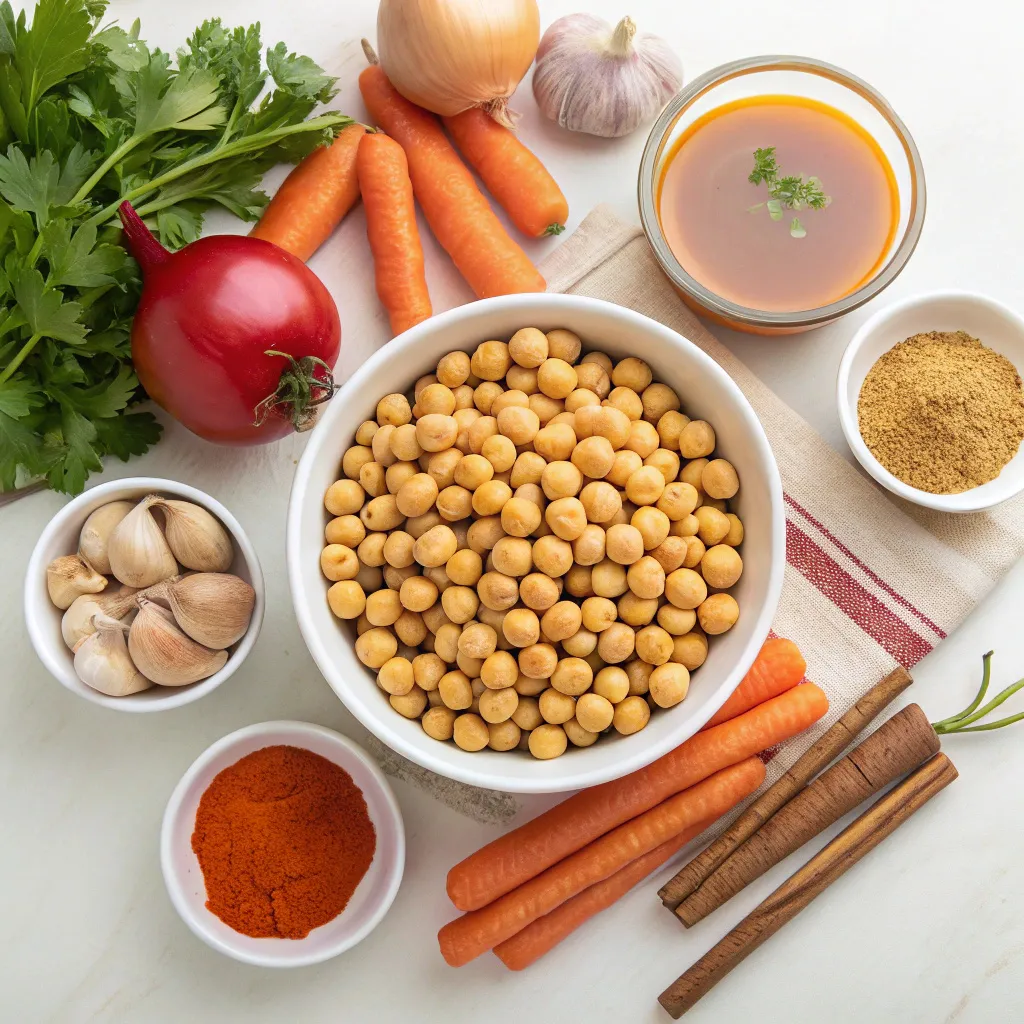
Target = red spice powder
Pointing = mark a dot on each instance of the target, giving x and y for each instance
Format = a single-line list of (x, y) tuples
[(283, 838)]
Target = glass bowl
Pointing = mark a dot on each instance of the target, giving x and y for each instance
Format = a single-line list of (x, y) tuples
[(792, 76)]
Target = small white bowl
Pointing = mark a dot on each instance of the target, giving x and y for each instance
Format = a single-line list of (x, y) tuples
[(60, 537), (374, 894), (996, 326), (707, 391)]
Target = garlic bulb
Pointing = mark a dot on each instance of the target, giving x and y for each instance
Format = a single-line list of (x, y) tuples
[(195, 537), (102, 660), (78, 620), (213, 608), (163, 653), (92, 542), (138, 551), (69, 577), (450, 55), (591, 78)]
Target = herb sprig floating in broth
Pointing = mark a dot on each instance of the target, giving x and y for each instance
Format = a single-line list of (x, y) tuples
[(91, 116), (790, 192)]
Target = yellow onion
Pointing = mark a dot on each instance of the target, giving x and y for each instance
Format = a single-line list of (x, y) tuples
[(450, 55)]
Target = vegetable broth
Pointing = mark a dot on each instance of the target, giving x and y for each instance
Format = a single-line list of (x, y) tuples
[(704, 203)]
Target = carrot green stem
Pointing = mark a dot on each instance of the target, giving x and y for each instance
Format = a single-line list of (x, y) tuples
[(964, 722), (986, 662)]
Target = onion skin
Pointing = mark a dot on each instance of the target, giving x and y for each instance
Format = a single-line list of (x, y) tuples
[(208, 316)]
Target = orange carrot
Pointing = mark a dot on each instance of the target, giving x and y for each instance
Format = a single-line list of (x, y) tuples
[(456, 210), (778, 667), (391, 228), (512, 173), (548, 931), (468, 936), (314, 197), (523, 853)]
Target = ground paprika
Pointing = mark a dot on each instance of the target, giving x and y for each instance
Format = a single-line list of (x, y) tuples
[(283, 838)]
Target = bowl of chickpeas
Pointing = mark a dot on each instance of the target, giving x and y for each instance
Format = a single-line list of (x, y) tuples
[(536, 541)]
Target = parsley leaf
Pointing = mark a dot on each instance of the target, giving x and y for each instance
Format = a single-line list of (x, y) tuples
[(45, 311), (76, 259), (791, 192)]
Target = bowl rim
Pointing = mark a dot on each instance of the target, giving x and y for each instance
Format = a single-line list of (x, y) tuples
[(377, 723), (748, 315), (35, 594), (848, 419), (395, 869)]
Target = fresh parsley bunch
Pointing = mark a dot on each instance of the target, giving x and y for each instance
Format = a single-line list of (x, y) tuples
[(91, 116)]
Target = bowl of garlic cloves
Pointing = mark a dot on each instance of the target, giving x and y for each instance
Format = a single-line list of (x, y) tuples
[(143, 594)]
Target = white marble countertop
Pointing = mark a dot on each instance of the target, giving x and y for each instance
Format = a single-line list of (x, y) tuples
[(929, 928)]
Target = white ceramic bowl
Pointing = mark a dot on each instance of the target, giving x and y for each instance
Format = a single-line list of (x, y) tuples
[(706, 390), (374, 894), (60, 537), (996, 326)]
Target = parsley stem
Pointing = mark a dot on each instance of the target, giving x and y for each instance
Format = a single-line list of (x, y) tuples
[(119, 154), (22, 355), (246, 144)]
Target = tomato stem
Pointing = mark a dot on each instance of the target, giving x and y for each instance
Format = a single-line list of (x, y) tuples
[(142, 243), (299, 391)]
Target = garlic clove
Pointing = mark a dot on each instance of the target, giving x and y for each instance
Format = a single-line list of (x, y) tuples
[(102, 660), (138, 551), (213, 608), (77, 622), (95, 535), (163, 653), (70, 576), (195, 536)]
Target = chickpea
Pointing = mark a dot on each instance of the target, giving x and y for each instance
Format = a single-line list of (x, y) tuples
[(435, 399), (344, 497), (409, 705), (393, 410), (394, 577), (714, 525), (411, 628), (419, 525), (625, 464), (561, 620), (691, 474), (697, 440), (472, 471), (365, 432), (479, 431), (376, 646), (421, 383), (560, 480), (538, 592), (503, 735), (537, 661), (603, 421), (372, 479), (578, 581), (690, 650), (470, 731), (601, 502), (527, 713), (654, 645), (581, 644), (528, 347), (484, 533), (453, 369), (381, 514), (719, 479), (497, 591), (436, 546), (666, 462), (354, 459), (616, 643), (636, 611), (512, 556), (528, 469), (484, 395), (612, 683), (593, 456), (632, 373), (598, 613), (624, 543), (566, 518), (417, 495), (639, 674), (547, 741), (685, 588), (676, 621), (522, 378), (456, 690), (434, 618), (491, 360), (455, 503), (687, 527), (563, 344), (678, 500), (459, 603), (554, 442), (718, 613), (371, 549), (669, 684), (556, 707), (369, 578), (381, 445), (395, 676), (435, 432), (658, 399), (552, 556), (383, 608), (592, 376), (602, 359), (631, 715), (670, 428), (577, 400), (519, 425), (439, 723), (653, 524), (646, 577), (471, 667), (417, 593), (626, 400), (721, 566), (338, 562), (556, 378), (441, 467), (589, 547), (546, 408), (594, 712), (643, 438), (498, 705), (609, 579), (476, 640), (499, 670), (735, 535), (500, 452), (400, 473), (346, 599), (578, 736)]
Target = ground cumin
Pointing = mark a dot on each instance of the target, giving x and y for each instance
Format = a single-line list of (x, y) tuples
[(942, 412), (283, 838)]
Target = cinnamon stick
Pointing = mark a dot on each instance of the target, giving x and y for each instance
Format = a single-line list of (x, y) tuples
[(834, 860), (838, 737), (898, 746)]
